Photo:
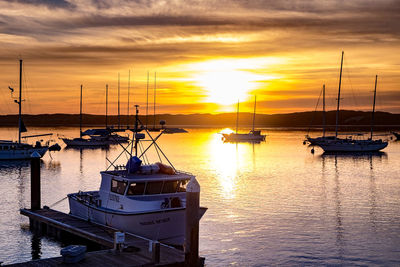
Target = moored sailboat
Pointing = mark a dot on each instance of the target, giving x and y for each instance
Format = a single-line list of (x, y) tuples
[(83, 142), (252, 136), (351, 144), (16, 150), (314, 140)]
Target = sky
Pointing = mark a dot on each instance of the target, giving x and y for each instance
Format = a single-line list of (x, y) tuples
[(206, 55)]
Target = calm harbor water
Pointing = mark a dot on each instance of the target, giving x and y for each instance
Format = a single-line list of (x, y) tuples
[(270, 203)]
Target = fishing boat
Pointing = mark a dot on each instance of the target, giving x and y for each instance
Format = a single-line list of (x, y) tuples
[(85, 140), (350, 144), (252, 136), (144, 199), (16, 150)]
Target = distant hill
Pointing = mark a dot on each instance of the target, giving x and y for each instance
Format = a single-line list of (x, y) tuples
[(348, 119)]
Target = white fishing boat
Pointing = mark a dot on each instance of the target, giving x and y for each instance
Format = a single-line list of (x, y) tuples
[(252, 136), (147, 200), (351, 144), (16, 150)]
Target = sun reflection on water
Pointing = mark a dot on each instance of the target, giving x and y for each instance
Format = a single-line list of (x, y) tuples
[(228, 161)]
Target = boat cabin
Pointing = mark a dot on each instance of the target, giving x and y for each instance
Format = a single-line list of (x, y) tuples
[(150, 191)]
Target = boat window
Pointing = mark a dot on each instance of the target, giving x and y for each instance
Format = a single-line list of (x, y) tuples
[(153, 188), (118, 186), (169, 187), (136, 189), (182, 185)]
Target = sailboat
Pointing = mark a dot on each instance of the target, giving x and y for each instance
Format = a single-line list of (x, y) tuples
[(350, 144), (107, 135), (11, 150), (314, 140), (80, 141), (252, 136)]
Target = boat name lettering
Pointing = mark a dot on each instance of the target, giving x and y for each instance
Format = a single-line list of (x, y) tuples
[(155, 221)]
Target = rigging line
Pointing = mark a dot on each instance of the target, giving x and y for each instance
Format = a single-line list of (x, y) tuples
[(150, 145), (125, 149), (158, 154), (27, 92), (145, 156), (164, 155), (112, 163), (353, 93), (315, 110), (140, 150)]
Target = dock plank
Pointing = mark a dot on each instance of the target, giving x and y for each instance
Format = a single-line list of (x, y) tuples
[(104, 236)]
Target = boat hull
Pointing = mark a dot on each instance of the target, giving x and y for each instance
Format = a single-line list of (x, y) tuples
[(334, 146), (77, 142), (17, 154), (243, 137), (167, 226)]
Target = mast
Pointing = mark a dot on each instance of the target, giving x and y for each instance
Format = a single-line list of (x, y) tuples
[(106, 106), (155, 80), (136, 127), (323, 111), (338, 100), (147, 98), (20, 102), (80, 115), (119, 115), (237, 117), (129, 85), (373, 108), (254, 113)]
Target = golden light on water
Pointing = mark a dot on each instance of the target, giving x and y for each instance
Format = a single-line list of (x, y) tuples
[(227, 160)]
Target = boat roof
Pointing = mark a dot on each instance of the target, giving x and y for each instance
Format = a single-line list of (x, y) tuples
[(179, 175)]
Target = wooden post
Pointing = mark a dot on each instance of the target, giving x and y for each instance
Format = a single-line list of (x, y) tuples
[(155, 252), (35, 181), (192, 223)]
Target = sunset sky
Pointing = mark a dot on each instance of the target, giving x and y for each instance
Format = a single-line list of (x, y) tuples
[(207, 54)]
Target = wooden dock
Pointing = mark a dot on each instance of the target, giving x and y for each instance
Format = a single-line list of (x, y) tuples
[(57, 224), (99, 258)]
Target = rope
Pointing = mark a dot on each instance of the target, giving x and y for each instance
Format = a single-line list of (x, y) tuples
[(52, 205), (313, 117)]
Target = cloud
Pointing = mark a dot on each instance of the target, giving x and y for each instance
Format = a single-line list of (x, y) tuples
[(46, 3), (93, 39)]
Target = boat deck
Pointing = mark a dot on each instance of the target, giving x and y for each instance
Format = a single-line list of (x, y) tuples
[(48, 220)]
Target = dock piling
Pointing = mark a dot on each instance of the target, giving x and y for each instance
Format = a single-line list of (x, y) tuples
[(155, 252), (35, 181), (192, 223)]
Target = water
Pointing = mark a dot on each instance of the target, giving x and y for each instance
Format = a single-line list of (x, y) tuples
[(270, 203)]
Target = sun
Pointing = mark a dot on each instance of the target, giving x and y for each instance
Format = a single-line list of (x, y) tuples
[(227, 81)]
